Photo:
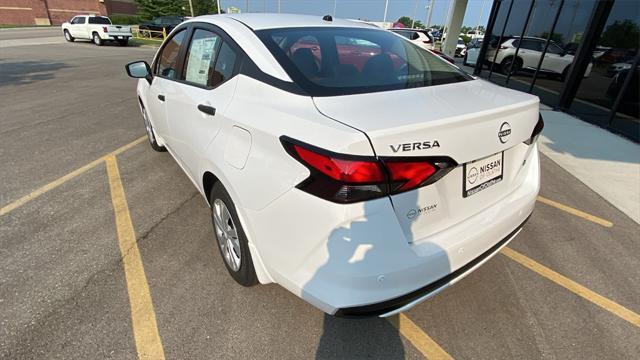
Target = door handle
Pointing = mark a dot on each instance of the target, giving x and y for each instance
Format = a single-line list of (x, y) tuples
[(209, 110), (161, 97)]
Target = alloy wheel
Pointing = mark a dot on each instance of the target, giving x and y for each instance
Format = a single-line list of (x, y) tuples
[(227, 235)]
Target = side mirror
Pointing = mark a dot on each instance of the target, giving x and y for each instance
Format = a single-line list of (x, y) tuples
[(139, 70)]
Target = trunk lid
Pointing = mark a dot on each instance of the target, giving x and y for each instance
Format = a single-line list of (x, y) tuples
[(465, 121)]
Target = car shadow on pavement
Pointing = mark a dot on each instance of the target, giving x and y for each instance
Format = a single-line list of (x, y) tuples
[(355, 254), (27, 72)]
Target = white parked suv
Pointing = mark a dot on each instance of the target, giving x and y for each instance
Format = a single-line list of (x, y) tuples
[(419, 37), (556, 62), (95, 28), (337, 158)]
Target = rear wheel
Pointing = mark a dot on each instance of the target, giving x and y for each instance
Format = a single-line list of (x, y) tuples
[(96, 39), (123, 42), (150, 133), (68, 36), (230, 237), (510, 66), (563, 77)]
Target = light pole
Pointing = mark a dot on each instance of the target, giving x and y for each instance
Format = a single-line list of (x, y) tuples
[(191, 7), (218, 4), (413, 18), (334, 7), (431, 5), (386, 5)]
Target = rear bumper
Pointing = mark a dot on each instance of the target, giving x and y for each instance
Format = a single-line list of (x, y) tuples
[(405, 302), (355, 260)]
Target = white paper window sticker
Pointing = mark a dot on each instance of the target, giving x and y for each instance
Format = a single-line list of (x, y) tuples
[(201, 57)]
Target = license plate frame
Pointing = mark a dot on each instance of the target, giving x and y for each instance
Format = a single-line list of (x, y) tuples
[(474, 179)]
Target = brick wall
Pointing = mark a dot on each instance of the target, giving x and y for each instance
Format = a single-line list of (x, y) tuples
[(41, 12)]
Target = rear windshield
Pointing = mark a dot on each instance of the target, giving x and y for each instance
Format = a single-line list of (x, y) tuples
[(99, 20), (340, 61)]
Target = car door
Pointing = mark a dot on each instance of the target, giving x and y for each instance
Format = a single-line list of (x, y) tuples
[(77, 27), (555, 59), (530, 52), (196, 110), (166, 74)]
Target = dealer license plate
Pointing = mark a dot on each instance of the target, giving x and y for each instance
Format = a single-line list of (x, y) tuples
[(481, 174)]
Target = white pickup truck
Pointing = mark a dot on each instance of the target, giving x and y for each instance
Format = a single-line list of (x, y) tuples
[(96, 28)]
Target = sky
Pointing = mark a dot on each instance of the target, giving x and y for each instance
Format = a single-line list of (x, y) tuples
[(368, 9)]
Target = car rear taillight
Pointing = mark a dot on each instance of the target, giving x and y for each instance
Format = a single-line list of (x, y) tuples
[(352, 178), (536, 131), (105, 29)]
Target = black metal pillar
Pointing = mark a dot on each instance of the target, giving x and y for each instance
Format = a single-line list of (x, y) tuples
[(546, 46), (581, 60), (504, 28), (524, 29), (487, 36), (623, 88)]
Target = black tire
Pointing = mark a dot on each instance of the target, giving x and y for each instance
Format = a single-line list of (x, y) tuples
[(510, 65), (150, 132), (123, 42), (96, 39), (68, 37), (245, 275), (464, 60)]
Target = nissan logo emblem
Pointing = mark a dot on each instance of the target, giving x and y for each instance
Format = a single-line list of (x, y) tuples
[(505, 131)]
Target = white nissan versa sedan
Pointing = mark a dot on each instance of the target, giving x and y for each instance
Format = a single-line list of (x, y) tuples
[(355, 169)]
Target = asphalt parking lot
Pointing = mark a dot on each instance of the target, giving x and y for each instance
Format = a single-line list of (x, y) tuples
[(108, 251)]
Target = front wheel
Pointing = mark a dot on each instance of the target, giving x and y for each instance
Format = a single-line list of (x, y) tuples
[(96, 39), (68, 37), (510, 66), (150, 133), (232, 242)]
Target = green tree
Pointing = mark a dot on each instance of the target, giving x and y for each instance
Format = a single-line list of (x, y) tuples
[(621, 34), (151, 8), (204, 7), (408, 22)]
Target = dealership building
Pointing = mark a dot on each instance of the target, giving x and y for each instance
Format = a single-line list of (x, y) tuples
[(55, 12), (595, 42)]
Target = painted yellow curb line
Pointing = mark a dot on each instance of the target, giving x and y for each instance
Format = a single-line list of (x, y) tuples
[(429, 348), (573, 286), (143, 316)]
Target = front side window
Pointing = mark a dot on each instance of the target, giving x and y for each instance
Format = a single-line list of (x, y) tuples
[(339, 61), (168, 59), (78, 20), (555, 49), (201, 57)]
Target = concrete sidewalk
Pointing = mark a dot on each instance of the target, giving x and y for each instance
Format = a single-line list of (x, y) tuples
[(605, 162)]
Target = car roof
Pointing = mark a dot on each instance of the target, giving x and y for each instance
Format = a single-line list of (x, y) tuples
[(260, 21)]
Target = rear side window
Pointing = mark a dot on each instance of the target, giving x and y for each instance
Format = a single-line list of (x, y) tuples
[(99, 20), (168, 59), (339, 61), (226, 62)]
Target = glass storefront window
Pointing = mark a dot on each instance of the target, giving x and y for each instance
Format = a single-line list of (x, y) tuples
[(603, 97)]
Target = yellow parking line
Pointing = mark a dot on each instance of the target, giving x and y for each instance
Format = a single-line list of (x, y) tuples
[(573, 286), (576, 212), (54, 184), (429, 348), (143, 316)]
